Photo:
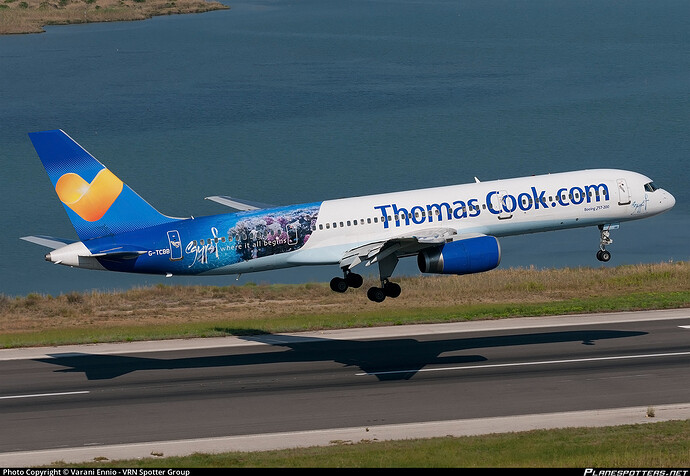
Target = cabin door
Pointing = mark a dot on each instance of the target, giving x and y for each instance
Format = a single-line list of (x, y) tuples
[(501, 205), (623, 192), (175, 245)]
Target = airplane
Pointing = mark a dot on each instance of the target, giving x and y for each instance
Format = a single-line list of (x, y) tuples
[(450, 229)]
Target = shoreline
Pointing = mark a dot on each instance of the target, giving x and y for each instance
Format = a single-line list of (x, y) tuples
[(31, 16)]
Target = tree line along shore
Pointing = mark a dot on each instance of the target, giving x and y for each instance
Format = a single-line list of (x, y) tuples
[(30, 16)]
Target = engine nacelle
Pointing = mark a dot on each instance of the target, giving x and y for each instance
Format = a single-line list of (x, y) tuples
[(472, 255)]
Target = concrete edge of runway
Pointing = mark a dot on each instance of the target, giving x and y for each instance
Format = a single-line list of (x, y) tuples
[(329, 437)]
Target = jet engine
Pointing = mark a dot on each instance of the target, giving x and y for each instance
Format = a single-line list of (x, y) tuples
[(464, 256)]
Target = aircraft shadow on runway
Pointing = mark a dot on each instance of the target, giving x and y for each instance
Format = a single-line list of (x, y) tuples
[(387, 359)]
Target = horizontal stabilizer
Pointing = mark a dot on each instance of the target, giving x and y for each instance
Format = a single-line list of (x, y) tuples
[(119, 253), (237, 204), (47, 241)]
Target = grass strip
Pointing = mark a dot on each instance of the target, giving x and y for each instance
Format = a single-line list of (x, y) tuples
[(648, 445), (150, 330)]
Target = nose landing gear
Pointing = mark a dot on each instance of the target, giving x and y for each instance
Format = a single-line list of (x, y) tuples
[(605, 239), (603, 255)]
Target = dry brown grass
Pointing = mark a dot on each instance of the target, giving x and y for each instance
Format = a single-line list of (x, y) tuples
[(29, 16), (163, 305)]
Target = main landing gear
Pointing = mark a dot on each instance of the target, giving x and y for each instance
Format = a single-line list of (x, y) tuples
[(605, 239), (387, 289), (351, 280)]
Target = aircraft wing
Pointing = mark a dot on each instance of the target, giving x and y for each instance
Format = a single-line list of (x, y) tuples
[(237, 204), (47, 241), (403, 245)]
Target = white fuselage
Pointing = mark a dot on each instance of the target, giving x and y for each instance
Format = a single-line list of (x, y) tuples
[(498, 208), (495, 208)]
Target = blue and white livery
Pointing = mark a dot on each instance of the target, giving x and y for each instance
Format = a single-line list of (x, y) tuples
[(450, 230)]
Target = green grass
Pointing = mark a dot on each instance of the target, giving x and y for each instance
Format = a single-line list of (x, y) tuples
[(336, 320), (649, 445)]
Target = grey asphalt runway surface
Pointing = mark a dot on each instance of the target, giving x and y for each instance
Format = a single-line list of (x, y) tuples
[(77, 403)]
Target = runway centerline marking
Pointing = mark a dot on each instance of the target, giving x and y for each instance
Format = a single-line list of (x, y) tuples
[(57, 394), (518, 364)]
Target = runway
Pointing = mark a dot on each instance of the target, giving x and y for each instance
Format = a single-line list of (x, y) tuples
[(75, 403)]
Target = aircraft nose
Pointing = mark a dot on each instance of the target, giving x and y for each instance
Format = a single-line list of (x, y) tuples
[(670, 201)]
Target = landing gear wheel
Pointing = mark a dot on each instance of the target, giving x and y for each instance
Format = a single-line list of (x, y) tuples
[(376, 294), (339, 285), (603, 255), (391, 289), (604, 240), (354, 280)]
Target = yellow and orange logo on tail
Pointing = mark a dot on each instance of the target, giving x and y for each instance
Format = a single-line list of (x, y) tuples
[(89, 200)]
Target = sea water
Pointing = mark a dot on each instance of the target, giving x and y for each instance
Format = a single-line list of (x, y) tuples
[(294, 102)]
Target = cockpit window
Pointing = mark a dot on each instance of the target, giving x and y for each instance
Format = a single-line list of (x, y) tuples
[(650, 187)]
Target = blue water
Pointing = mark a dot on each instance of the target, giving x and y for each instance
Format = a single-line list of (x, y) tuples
[(294, 102)]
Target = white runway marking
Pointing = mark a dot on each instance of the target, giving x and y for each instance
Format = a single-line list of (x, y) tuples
[(44, 395), (519, 364)]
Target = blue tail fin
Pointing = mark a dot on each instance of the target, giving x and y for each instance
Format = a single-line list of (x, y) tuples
[(97, 202)]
